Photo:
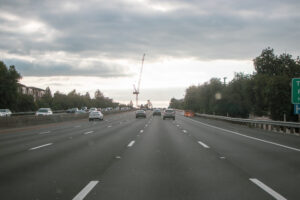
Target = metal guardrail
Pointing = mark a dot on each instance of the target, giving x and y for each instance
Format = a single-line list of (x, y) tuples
[(270, 125), (253, 121)]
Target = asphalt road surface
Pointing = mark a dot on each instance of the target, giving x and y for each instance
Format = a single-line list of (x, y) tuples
[(139, 159)]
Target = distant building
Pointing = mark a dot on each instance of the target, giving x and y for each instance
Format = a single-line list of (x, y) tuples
[(35, 92)]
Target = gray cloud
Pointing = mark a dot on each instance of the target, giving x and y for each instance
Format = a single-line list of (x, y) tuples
[(97, 69), (206, 30)]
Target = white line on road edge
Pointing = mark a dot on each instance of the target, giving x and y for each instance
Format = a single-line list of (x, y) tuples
[(141, 131), (88, 132), (44, 145), (131, 143), (45, 132), (204, 145), (82, 194), (250, 137), (267, 189)]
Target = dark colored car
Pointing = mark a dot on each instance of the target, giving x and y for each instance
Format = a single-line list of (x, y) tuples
[(140, 113), (157, 112), (169, 113)]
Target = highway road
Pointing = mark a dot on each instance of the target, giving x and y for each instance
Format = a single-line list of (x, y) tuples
[(139, 159)]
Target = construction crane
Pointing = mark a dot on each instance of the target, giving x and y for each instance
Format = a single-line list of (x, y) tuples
[(136, 91)]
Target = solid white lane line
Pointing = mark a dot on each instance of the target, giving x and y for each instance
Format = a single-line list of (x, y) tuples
[(246, 136), (131, 143), (82, 194), (141, 131), (267, 189), (45, 132), (204, 145), (44, 145), (88, 132)]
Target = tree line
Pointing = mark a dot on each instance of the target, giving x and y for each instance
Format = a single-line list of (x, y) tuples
[(14, 100), (266, 92)]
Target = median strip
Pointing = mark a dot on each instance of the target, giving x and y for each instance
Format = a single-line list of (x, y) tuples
[(131, 143), (44, 145), (82, 194), (204, 145), (267, 189)]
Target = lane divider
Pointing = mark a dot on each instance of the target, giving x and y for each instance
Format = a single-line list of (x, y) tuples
[(246, 136), (88, 132), (44, 145), (131, 143), (267, 189), (45, 132), (82, 194), (204, 145), (141, 131)]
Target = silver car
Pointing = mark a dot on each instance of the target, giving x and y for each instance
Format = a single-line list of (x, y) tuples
[(95, 115), (44, 112), (169, 113), (5, 113)]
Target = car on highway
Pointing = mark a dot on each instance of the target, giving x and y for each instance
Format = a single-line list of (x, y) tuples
[(44, 112), (81, 112), (169, 113), (72, 110), (140, 113), (5, 113), (156, 112), (93, 109), (95, 115)]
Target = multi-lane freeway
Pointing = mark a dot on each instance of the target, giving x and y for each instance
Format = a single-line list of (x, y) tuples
[(127, 158)]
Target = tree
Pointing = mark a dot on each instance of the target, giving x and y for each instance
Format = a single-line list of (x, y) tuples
[(9, 78)]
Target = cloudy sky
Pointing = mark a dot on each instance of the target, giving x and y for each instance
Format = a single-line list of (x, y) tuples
[(94, 44)]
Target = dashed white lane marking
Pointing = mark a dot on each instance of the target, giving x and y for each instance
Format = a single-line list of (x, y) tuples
[(177, 125), (204, 145), (131, 143), (44, 145), (267, 189), (109, 126), (222, 157), (82, 194), (88, 132), (141, 131), (184, 131), (246, 136), (45, 132)]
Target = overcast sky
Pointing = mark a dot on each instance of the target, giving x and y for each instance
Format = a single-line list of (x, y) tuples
[(93, 44)]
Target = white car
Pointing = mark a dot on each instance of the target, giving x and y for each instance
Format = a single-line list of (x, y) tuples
[(95, 115), (5, 113), (92, 109), (44, 112)]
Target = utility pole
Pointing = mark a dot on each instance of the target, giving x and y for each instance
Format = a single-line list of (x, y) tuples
[(224, 80)]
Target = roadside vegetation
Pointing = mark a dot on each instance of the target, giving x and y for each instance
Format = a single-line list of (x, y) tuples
[(266, 92), (17, 102)]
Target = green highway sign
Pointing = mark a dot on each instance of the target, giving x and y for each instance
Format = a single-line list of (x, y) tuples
[(296, 91)]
